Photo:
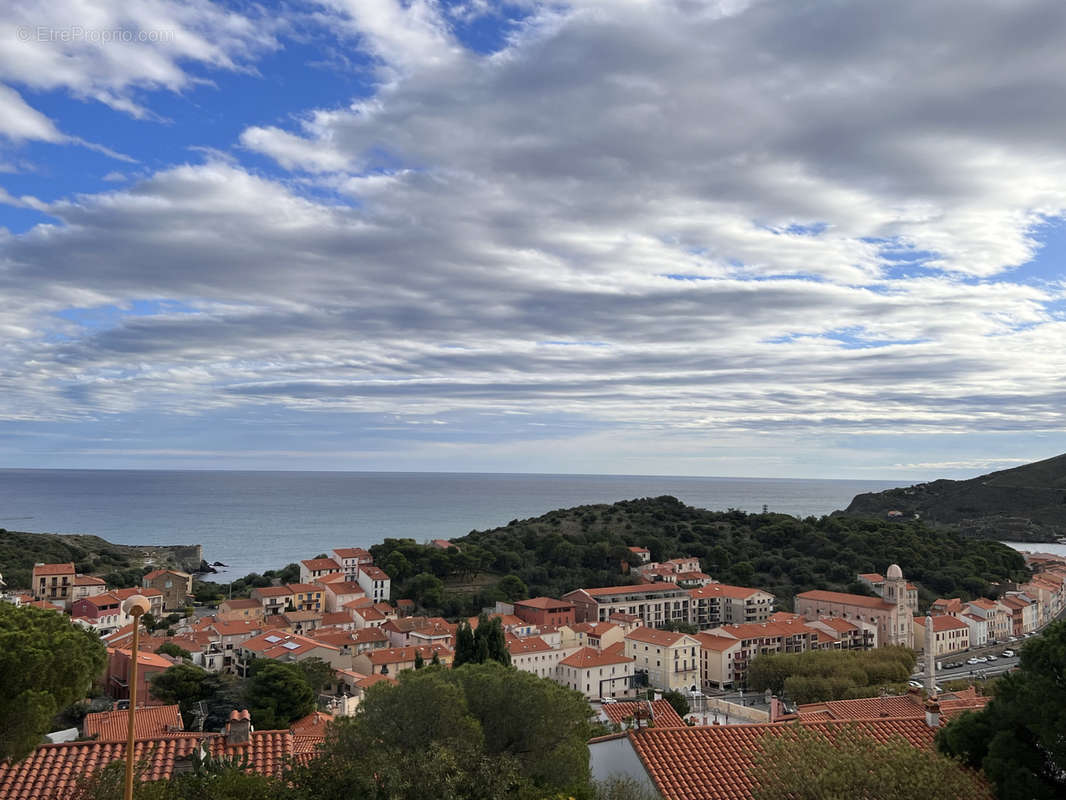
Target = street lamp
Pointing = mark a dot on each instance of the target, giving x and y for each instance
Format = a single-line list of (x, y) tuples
[(135, 606)]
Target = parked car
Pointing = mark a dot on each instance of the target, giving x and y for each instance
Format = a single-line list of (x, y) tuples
[(915, 684), (991, 658), (982, 659), (972, 661), (1007, 654)]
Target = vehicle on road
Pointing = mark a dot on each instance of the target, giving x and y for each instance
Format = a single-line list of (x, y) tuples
[(991, 658), (972, 661), (915, 684), (1007, 654)]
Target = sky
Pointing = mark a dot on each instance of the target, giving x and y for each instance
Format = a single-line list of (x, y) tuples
[(738, 238)]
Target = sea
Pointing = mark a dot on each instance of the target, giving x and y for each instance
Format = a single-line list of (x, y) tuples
[(255, 521)]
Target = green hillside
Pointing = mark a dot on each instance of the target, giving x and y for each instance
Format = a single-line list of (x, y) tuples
[(1026, 503)]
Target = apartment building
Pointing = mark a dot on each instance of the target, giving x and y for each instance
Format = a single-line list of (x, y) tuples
[(721, 604), (655, 603), (670, 660)]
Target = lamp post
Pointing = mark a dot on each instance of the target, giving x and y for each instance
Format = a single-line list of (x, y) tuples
[(135, 606)]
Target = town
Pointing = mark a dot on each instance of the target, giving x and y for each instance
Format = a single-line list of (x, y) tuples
[(672, 631)]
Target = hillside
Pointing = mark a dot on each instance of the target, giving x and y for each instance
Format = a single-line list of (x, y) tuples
[(1026, 503), (121, 565), (584, 546)]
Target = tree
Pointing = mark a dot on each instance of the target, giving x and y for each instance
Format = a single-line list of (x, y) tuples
[(419, 661), (319, 673), (513, 588), (184, 684), (1017, 738), (477, 731), (47, 663), (171, 649), (803, 764), (222, 781), (278, 695), (678, 701), (464, 645)]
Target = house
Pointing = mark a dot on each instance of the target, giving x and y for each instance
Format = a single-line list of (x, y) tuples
[(670, 660), (978, 628), (87, 586), (229, 635), (175, 587), (54, 583), (101, 612), (280, 646), (375, 583), (655, 603), (950, 635), (313, 568), (307, 596), (533, 654), (148, 722), (240, 608), (851, 634), (658, 712), (643, 553), (766, 638), (1025, 619), (597, 674), (721, 604), (118, 674), (335, 595), (54, 771), (949, 606), (351, 559), (597, 635), (152, 595), (717, 657), (393, 660), (301, 622), (997, 616), (545, 611), (274, 599), (892, 612)]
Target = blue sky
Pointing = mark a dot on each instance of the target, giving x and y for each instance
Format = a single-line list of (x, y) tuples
[(759, 238)]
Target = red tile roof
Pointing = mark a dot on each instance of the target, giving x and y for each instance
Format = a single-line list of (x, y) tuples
[(144, 591), (544, 603), (873, 577), (345, 587), (321, 564), (724, 590), (594, 629), (819, 595), (89, 580), (839, 624), (242, 602), (943, 622), (655, 636), (588, 657), (896, 706), (155, 573), (663, 714), (712, 763), (637, 588), (148, 722), (272, 591), (54, 569), (708, 641), (305, 588), (52, 771), (351, 552), (374, 573), (237, 627), (313, 724), (528, 644), (401, 655)]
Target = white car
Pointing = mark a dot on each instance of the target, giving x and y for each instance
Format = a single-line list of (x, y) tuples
[(982, 660), (991, 658), (972, 661), (915, 684), (1008, 654)]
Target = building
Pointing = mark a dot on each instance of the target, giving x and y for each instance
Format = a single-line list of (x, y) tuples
[(951, 635), (54, 583), (721, 604), (337, 594), (153, 596), (313, 568), (852, 634), (597, 635), (286, 647), (533, 654), (307, 596), (175, 586), (240, 608), (351, 559), (766, 638), (1024, 612), (118, 674), (148, 722), (545, 611), (101, 612), (597, 674), (393, 660), (655, 603), (892, 613), (87, 586), (376, 584), (978, 628), (717, 657), (997, 616), (625, 714), (643, 553), (274, 599), (670, 660)]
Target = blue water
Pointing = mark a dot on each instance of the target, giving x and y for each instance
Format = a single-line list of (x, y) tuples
[(254, 521)]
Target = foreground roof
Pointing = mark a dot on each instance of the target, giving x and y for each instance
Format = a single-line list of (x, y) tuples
[(148, 721), (52, 771), (662, 713), (712, 763)]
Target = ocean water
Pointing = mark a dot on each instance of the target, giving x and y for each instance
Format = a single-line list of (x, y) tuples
[(254, 521)]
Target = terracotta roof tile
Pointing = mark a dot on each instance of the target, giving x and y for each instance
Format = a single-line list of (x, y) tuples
[(54, 569), (724, 590), (655, 636), (845, 599), (663, 714), (148, 722), (544, 603), (321, 564), (588, 657)]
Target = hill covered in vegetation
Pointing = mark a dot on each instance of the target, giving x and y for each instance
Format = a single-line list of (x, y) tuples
[(1026, 503), (586, 547), (120, 565)]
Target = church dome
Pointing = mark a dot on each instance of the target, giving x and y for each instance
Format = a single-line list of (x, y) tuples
[(894, 573)]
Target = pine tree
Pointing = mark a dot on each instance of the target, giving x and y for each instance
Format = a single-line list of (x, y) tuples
[(419, 661), (464, 645)]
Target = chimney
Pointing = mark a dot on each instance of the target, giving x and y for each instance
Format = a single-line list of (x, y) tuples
[(775, 708), (932, 714), (930, 657), (239, 728)]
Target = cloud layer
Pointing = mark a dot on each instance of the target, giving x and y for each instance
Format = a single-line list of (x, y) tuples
[(679, 220)]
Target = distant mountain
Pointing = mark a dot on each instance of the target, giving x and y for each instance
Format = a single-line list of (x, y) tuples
[(1026, 503)]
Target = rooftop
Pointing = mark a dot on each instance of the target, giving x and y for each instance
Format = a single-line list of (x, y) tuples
[(725, 590), (819, 595), (636, 588), (655, 636), (53, 569), (662, 713), (590, 657), (544, 603), (321, 564), (148, 721)]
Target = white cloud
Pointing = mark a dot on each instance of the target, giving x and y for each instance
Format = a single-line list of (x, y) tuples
[(634, 219)]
